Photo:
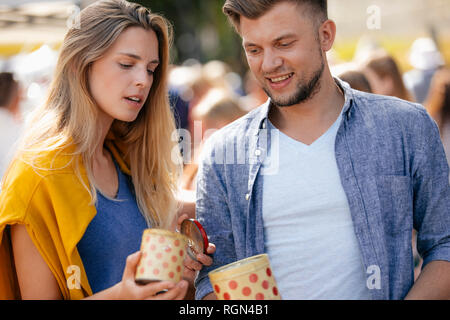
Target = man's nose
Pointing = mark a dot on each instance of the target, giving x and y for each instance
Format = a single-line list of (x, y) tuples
[(271, 62)]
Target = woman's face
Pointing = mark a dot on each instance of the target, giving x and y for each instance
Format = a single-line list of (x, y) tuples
[(121, 79)]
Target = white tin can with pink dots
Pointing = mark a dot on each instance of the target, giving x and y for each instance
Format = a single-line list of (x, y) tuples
[(162, 256), (247, 279)]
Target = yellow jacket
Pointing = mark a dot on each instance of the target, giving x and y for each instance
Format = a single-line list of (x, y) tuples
[(55, 208)]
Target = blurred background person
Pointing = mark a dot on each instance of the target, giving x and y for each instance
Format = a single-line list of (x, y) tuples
[(357, 80), (192, 80), (10, 117), (426, 59), (385, 77), (254, 94), (216, 110), (180, 106), (438, 105)]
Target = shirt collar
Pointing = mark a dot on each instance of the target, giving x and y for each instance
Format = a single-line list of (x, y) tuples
[(261, 119)]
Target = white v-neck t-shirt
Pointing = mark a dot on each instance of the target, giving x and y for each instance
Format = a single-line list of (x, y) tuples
[(309, 233)]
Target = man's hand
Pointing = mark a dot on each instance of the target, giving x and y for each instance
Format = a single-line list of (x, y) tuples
[(192, 267), (433, 282)]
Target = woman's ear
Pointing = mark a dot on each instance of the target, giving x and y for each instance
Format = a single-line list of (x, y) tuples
[(327, 34)]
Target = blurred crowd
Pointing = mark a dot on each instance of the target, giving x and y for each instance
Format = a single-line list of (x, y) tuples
[(374, 70), (207, 96)]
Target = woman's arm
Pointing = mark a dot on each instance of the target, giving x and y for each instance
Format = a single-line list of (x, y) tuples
[(37, 282)]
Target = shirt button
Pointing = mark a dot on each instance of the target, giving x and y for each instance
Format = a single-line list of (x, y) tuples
[(264, 125), (257, 152), (247, 196)]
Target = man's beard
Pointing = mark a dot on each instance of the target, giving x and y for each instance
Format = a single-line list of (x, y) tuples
[(305, 91)]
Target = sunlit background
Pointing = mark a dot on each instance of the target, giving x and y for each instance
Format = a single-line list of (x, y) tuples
[(207, 54), (202, 32), (31, 31)]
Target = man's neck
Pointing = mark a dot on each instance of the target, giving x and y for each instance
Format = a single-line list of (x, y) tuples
[(307, 121)]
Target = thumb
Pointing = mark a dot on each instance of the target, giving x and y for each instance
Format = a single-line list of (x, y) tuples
[(181, 218), (131, 265)]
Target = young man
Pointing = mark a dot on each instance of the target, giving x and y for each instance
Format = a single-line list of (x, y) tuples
[(326, 180)]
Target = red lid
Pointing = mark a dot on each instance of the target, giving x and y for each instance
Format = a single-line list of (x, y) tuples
[(198, 240)]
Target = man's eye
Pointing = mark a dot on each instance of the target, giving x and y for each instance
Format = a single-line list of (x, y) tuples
[(252, 51)]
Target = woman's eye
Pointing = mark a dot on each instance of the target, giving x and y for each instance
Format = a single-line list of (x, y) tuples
[(125, 66), (150, 72)]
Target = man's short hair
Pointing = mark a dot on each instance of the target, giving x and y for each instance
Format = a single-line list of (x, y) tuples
[(253, 9)]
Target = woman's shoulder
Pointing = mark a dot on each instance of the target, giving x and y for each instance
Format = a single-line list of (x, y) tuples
[(28, 172), (32, 166)]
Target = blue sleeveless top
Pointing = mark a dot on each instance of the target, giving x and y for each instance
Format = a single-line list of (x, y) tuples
[(113, 234)]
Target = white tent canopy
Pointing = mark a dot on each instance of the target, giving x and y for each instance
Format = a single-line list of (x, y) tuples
[(27, 23)]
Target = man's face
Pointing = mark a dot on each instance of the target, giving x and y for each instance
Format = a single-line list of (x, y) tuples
[(283, 51)]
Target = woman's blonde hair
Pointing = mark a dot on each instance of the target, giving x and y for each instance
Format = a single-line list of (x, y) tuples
[(69, 115)]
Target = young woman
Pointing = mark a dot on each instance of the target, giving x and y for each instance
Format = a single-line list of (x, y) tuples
[(96, 166)]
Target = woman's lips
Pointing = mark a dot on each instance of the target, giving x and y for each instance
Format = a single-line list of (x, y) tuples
[(134, 101)]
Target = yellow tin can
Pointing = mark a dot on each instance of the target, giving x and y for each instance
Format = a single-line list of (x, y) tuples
[(162, 256), (247, 279)]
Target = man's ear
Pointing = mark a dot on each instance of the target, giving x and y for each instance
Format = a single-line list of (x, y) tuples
[(327, 34)]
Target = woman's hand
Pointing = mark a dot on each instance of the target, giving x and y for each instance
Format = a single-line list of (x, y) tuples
[(128, 289)]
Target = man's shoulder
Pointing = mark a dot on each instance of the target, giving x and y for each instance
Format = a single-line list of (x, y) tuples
[(387, 107), (393, 117)]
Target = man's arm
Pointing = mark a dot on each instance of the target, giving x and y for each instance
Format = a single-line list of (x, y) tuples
[(433, 282), (210, 296), (431, 213), (213, 213)]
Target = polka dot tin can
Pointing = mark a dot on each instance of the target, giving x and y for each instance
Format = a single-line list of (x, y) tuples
[(162, 256), (247, 279)]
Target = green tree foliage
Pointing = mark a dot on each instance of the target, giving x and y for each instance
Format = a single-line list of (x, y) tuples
[(201, 31)]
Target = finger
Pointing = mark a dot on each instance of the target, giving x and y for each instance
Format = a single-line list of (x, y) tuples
[(211, 248), (204, 259), (131, 265), (189, 274), (193, 265), (184, 286), (181, 218), (177, 293), (151, 289)]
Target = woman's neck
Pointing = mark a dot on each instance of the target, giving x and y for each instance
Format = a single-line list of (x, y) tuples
[(104, 123)]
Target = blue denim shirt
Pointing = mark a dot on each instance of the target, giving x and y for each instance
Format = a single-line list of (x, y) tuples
[(393, 170)]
